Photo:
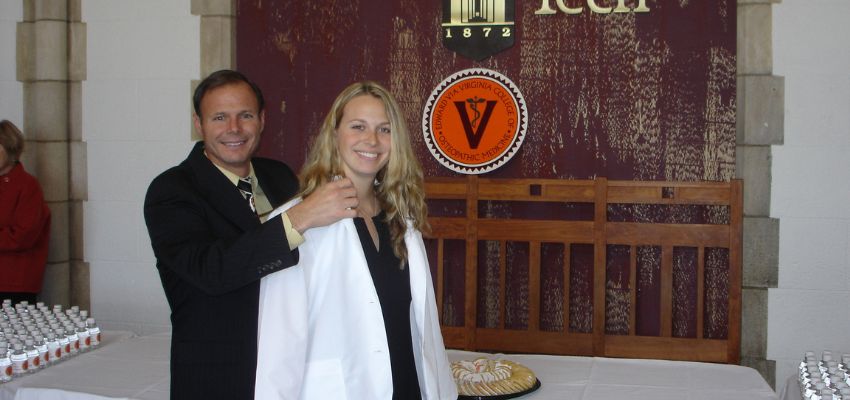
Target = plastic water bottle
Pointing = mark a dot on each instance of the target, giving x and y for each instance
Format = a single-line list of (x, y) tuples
[(73, 339), (54, 350), (43, 353), (6, 372), (84, 337), (64, 344), (826, 393), (94, 332), (32, 355), (19, 360)]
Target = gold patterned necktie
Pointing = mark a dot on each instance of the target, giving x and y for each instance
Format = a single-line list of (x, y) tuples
[(244, 186)]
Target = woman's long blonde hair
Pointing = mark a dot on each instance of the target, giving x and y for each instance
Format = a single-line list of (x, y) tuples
[(399, 185)]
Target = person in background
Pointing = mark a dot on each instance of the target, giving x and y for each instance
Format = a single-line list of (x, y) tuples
[(24, 222), (213, 239), (357, 317)]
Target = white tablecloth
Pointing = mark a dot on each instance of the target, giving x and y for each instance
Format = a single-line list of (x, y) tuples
[(791, 391), (127, 367), (586, 378), (124, 367)]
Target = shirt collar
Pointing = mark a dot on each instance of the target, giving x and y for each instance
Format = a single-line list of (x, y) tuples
[(235, 178), (14, 173), (15, 165)]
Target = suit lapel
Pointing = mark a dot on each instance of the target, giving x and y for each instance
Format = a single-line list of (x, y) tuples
[(219, 191)]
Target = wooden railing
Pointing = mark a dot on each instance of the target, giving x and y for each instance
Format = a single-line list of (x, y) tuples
[(706, 331)]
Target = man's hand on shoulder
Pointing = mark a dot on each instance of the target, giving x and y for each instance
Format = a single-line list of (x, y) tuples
[(329, 203)]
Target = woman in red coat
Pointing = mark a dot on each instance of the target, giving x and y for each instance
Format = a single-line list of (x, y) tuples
[(24, 222)]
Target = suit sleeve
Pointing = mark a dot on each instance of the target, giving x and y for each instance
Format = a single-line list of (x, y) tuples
[(202, 249), (27, 223)]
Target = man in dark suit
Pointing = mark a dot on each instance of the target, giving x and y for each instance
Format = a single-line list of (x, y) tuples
[(213, 244)]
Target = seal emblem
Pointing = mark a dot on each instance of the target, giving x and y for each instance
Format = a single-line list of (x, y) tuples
[(474, 121)]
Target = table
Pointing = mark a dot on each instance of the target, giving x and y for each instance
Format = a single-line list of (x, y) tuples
[(124, 367), (791, 391), (132, 367), (586, 378)]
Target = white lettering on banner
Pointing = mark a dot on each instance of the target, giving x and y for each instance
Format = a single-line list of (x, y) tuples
[(593, 5)]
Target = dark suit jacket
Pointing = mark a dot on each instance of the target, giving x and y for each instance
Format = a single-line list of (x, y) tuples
[(211, 252)]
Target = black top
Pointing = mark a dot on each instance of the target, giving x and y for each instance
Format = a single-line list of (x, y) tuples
[(393, 286)]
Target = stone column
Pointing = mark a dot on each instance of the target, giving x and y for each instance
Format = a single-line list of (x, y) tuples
[(47, 63), (760, 124), (218, 36), (42, 66), (78, 193)]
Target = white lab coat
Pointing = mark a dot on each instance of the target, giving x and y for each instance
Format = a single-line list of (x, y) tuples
[(321, 331)]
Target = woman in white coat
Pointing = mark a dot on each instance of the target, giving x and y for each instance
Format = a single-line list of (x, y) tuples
[(356, 318)]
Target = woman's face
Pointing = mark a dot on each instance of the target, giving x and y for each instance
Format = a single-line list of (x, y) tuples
[(6, 162), (364, 138)]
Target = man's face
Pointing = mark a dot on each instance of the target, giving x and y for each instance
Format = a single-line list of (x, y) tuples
[(230, 124)]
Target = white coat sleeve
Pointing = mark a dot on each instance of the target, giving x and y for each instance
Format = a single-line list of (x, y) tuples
[(281, 332)]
